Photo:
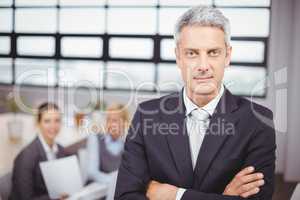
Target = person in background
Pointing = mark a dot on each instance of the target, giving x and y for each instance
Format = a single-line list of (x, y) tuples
[(105, 150), (27, 180)]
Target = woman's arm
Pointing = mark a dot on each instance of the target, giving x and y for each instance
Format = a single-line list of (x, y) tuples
[(93, 169)]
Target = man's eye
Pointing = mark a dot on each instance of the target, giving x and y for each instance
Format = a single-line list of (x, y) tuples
[(214, 53), (190, 54)]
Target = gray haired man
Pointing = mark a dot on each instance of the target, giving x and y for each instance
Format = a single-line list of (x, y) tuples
[(201, 143)]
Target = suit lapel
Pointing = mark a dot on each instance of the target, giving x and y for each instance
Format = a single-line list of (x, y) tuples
[(41, 158), (40, 150), (221, 126), (174, 113)]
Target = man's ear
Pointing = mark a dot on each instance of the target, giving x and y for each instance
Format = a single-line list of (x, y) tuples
[(228, 56)]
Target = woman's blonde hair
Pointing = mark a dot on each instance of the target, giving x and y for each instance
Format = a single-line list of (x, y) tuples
[(121, 109)]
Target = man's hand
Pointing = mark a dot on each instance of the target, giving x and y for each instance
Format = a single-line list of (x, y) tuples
[(245, 184), (160, 191)]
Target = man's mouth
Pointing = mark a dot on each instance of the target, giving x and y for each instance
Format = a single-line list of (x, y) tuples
[(206, 78)]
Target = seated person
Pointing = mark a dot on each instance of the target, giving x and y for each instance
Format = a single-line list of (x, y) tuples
[(27, 180), (105, 149)]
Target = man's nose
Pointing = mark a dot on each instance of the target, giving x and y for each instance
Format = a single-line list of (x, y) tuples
[(202, 64)]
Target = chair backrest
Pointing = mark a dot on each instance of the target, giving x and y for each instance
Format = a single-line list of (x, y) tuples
[(5, 186), (296, 193)]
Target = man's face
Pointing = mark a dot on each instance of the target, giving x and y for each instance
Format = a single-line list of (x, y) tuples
[(202, 55)]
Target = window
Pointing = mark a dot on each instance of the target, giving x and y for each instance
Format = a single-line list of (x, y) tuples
[(81, 47), (30, 20), (167, 82), (248, 21), (139, 48), (131, 21), (244, 80), (248, 51), (6, 2), (132, 76), (122, 44), (4, 45), (6, 19), (35, 72), (43, 46), (6, 70), (167, 49), (81, 20), (73, 73)]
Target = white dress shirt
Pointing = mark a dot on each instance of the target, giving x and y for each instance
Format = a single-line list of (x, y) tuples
[(197, 127), (50, 152), (93, 148)]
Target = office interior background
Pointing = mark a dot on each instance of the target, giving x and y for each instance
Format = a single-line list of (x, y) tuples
[(78, 53)]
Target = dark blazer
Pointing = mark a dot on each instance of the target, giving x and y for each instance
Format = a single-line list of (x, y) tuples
[(240, 134), (27, 179)]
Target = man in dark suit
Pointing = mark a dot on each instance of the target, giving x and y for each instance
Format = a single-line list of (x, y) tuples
[(28, 182), (202, 143)]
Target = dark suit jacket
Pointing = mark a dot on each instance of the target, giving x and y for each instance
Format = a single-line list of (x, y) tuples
[(240, 134), (27, 179)]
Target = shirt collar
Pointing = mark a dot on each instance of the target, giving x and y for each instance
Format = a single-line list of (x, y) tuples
[(46, 147), (210, 107), (108, 139)]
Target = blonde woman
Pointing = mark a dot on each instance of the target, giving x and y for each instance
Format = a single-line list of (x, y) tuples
[(105, 149)]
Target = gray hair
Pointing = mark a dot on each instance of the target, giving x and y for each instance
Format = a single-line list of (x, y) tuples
[(203, 16)]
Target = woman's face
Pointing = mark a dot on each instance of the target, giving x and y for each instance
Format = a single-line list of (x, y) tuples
[(50, 124), (115, 124)]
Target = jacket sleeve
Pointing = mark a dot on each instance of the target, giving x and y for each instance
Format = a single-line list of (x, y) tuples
[(133, 175), (261, 155), (23, 180)]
